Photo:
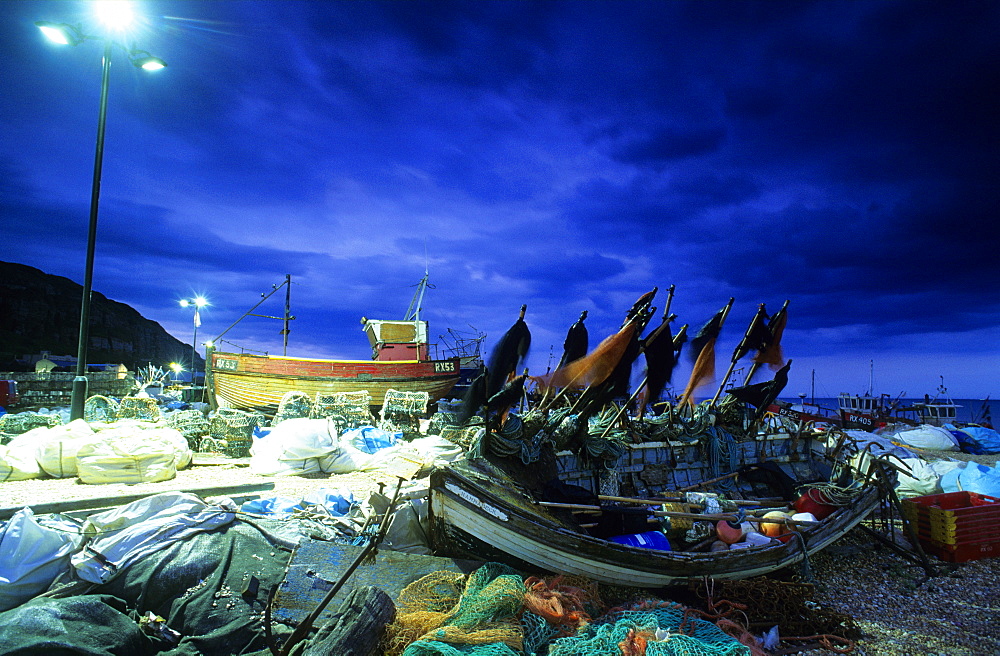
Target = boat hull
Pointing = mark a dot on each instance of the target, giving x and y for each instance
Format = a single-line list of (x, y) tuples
[(472, 516), (259, 382)]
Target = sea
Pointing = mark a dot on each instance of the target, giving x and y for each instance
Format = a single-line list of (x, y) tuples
[(968, 411)]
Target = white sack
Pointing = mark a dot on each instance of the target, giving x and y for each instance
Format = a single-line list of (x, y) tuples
[(124, 535), (294, 446), (56, 447), (17, 459), (32, 555), (926, 436), (921, 480)]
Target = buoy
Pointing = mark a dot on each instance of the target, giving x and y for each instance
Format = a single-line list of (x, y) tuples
[(774, 529), (728, 532), (815, 502)]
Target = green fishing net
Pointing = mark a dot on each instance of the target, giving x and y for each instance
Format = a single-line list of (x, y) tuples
[(660, 631)]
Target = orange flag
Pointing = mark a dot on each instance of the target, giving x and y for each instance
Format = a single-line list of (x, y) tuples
[(593, 368), (703, 372)]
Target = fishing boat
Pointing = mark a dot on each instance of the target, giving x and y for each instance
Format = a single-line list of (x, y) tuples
[(937, 410), (401, 360), (480, 508)]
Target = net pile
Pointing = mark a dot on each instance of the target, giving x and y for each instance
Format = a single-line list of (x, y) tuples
[(293, 405), (143, 409), (346, 410), (652, 629), (12, 425), (231, 432), (402, 411), (788, 604), (100, 408), (192, 424), (443, 615)]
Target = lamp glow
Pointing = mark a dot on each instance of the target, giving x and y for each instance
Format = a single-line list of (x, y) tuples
[(144, 60), (115, 14), (61, 33)]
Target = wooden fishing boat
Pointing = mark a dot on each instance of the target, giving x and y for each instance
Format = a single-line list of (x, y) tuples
[(477, 510), (246, 381), (401, 361)]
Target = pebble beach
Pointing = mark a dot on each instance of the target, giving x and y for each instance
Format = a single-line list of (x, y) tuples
[(896, 608)]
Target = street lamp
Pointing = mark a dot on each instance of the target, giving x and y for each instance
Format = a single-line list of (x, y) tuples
[(115, 15), (177, 369), (198, 302)]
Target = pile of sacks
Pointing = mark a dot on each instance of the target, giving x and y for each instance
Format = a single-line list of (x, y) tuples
[(309, 446), (921, 476), (124, 451)]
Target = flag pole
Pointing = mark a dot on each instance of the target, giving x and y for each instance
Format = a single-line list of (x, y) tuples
[(756, 365), (736, 353)]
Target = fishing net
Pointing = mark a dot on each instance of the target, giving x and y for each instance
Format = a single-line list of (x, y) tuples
[(653, 629), (293, 405), (402, 411), (346, 410), (789, 604), (438, 615), (231, 432), (143, 409), (12, 425), (100, 408), (192, 424)]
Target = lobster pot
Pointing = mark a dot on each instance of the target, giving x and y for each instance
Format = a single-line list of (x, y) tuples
[(293, 405), (231, 432), (402, 411), (463, 436), (346, 410), (100, 408), (192, 424), (143, 409), (12, 425)]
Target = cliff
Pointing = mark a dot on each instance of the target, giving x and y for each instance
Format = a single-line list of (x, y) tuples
[(41, 312)]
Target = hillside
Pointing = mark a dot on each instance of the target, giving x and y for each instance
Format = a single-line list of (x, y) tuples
[(41, 312)]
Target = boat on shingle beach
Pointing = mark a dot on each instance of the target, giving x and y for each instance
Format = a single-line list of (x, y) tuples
[(721, 489), (401, 361)]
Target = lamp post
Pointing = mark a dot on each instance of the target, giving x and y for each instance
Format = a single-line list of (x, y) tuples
[(198, 302), (65, 34)]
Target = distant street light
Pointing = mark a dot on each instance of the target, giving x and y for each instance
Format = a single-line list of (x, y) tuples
[(177, 369), (115, 15), (198, 302)]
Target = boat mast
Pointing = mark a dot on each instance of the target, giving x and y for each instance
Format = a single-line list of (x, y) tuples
[(413, 313), (288, 309)]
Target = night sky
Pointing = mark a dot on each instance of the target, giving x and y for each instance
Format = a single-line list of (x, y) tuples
[(565, 155)]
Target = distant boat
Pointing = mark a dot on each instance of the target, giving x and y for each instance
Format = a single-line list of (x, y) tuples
[(936, 411), (400, 361)]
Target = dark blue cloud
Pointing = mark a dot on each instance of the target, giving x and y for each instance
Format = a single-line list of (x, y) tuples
[(564, 155)]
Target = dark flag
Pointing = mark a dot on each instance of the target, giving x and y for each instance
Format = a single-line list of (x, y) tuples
[(771, 353), (474, 398), (661, 358), (703, 353), (577, 342), (507, 354), (757, 337), (761, 395)]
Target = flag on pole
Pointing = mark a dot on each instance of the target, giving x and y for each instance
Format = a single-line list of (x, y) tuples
[(703, 353), (771, 354), (197, 319)]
